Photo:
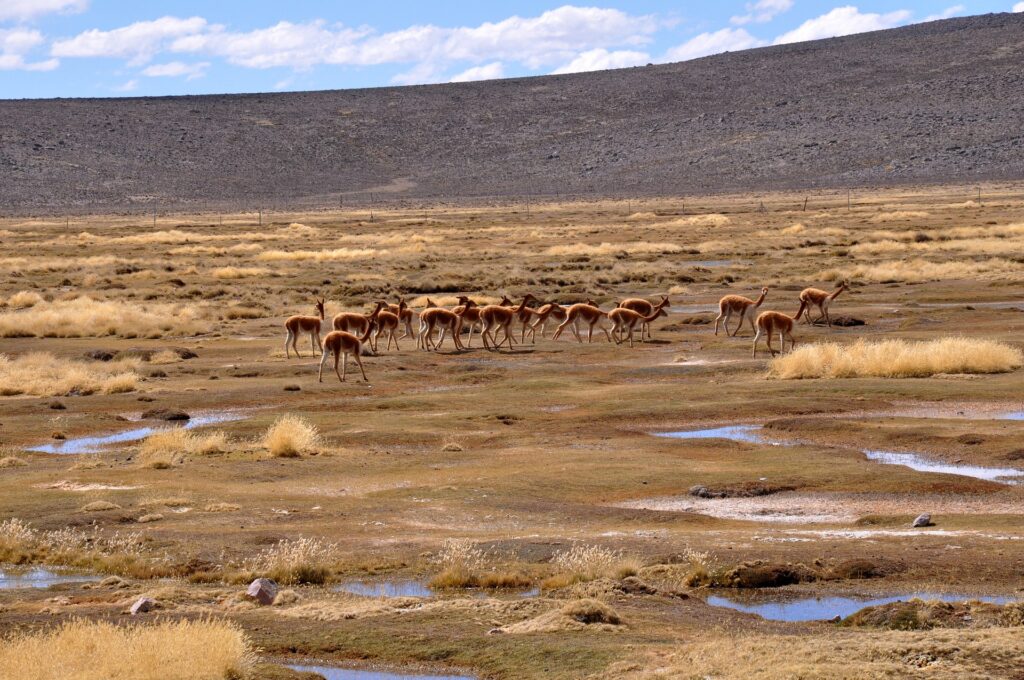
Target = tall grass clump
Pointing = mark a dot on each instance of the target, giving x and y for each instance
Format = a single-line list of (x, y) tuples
[(169, 447), (333, 255), (896, 359), (97, 650), (918, 270), (613, 249), (24, 299), (463, 565), (291, 436), (44, 375), (85, 317), (303, 560), (588, 562), (229, 273)]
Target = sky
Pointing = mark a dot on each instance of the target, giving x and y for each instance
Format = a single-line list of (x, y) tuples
[(116, 48)]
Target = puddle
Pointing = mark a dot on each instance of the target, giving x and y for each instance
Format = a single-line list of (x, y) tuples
[(39, 577), (98, 444), (750, 434), (333, 673), (1016, 415), (825, 608), (707, 263), (915, 462), (414, 588), (386, 588), (694, 308)]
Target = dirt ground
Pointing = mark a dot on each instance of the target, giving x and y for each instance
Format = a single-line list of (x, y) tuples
[(524, 454)]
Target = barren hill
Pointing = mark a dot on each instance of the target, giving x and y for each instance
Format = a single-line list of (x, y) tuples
[(935, 102)]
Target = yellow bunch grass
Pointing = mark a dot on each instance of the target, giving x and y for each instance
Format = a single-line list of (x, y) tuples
[(896, 359), (44, 375), (86, 317)]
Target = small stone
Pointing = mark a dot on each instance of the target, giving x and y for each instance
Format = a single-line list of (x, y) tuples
[(263, 590), (152, 517), (292, 388), (57, 405), (143, 605), (100, 355), (699, 491), (924, 520)]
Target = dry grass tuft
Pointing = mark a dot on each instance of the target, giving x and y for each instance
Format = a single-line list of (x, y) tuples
[(586, 614), (222, 507), (86, 317), (90, 650), (709, 220), (182, 441), (24, 299), (231, 273), (291, 436), (896, 359), (795, 229), (99, 506), (896, 215), (918, 270), (304, 560), (11, 461), (334, 255), (44, 375), (605, 249), (588, 562)]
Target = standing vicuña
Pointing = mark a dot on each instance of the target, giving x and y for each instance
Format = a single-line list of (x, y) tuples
[(591, 314), (820, 299), (495, 317), (344, 343), (304, 324), (770, 323), (737, 304)]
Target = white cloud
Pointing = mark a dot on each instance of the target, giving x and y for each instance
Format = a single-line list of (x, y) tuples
[(1019, 7), (175, 69), (949, 12), (600, 59), (843, 21), (554, 37), (762, 11), (137, 42), (15, 44), (129, 86), (724, 40), (29, 9), (486, 72)]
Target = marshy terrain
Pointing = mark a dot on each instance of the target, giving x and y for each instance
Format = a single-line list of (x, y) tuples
[(513, 514)]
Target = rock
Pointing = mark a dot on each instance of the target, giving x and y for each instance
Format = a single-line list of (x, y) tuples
[(143, 605), (846, 321), (152, 517), (100, 355), (263, 590), (699, 491), (57, 405), (631, 585), (292, 388), (924, 520), (114, 582), (165, 414)]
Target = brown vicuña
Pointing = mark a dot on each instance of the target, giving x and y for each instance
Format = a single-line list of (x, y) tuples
[(498, 317), (404, 314), (388, 322), (343, 343), (446, 321), (355, 322), (304, 324), (770, 323), (625, 320), (644, 308), (591, 314), (818, 298), (737, 304)]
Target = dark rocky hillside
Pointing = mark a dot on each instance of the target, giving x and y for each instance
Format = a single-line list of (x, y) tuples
[(930, 103)]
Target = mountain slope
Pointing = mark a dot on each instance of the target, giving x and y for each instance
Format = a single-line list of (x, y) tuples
[(936, 102)]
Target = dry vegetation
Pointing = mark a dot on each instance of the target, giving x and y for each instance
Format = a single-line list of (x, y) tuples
[(519, 474), (84, 650), (897, 359)]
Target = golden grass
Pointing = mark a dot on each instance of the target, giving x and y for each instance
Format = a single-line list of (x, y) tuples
[(918, 270), (709, 220), (231, 273), (589, 562), (897, 215), (24, 299), (576, 615), (169, 447), (222, 507), (44, 375), (11, 461), (606, 248), (85, 317), (896, 359), (303, 560), (330, 255), (99, 506), (794, 229), (291, 436), (92, 650), (933, 655)]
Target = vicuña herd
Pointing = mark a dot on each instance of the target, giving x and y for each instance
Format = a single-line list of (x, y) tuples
[(353, 329)]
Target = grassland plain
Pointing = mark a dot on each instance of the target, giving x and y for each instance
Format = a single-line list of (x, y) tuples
[(524, 468)]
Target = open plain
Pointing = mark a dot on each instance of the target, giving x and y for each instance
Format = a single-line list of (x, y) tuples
[(549, 532)]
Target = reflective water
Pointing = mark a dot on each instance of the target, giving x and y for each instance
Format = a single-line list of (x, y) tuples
[(39, 577), (750, 434), (96, 444), (1016, 415), (411, 588), (331, 673), (824, 608), (915, 462)]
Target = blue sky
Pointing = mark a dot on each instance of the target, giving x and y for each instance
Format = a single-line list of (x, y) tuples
[(107, 48)]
